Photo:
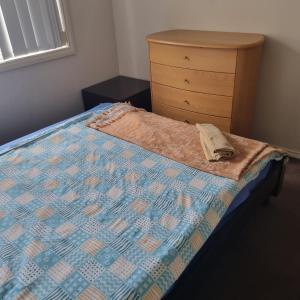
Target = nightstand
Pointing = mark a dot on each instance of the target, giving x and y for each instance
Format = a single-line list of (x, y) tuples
[(118, 89)]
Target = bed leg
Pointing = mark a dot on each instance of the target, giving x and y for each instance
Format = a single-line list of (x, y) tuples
[(279, 184)]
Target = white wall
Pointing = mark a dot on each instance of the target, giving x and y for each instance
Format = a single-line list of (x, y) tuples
[(277, 117), (35, 96)]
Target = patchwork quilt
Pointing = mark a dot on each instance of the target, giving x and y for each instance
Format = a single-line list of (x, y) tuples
[(84, 215)]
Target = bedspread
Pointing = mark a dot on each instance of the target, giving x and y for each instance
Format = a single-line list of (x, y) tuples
[(84, 215), (178, 141)]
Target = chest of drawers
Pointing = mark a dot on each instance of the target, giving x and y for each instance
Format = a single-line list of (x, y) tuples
[(205, 77)]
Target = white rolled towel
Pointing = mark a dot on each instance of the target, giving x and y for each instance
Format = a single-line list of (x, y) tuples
[(214, 143)]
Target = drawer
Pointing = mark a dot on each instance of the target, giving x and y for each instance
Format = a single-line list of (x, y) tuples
[(220, 106), (217, 60), (190, 117), (192, 80)]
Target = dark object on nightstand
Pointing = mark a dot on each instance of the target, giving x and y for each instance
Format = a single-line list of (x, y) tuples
[(118, 89)]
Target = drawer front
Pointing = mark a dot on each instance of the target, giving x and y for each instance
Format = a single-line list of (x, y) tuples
[(217, 60), (220, 106), (190, 117), (192, 80)]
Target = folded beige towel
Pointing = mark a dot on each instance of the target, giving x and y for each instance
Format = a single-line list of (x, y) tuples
[(215, 145)]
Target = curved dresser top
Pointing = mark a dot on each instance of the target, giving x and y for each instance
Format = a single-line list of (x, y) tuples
[(207, 39)]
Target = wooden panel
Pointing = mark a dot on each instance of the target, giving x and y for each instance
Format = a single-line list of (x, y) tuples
[(217, 60), (207, 39), (248, 62), (190, 117), (191, 80), (197, 102)]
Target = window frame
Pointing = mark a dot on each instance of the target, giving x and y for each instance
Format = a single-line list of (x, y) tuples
[(47, 55)]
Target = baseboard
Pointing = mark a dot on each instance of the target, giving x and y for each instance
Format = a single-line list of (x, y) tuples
[(292, 153)]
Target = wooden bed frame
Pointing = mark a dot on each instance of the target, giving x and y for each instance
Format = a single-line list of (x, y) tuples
[(268, 187)]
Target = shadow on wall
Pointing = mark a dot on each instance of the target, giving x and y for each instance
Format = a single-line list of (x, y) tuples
[(277, 117)]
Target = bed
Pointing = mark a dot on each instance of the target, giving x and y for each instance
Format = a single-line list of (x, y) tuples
[(84, 215)]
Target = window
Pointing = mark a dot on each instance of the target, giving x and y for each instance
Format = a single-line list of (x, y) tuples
[(33, 31)]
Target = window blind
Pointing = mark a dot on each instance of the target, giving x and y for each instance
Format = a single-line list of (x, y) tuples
[(28, 26)]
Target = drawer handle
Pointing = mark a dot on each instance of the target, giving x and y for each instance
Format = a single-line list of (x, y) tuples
[(187, 58), (187, 121), (187, 102), (187, 81)]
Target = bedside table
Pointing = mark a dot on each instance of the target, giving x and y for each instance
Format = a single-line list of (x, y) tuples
[(118, 89)]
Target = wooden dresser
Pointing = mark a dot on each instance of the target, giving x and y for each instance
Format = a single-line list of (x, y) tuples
[(205, 77)]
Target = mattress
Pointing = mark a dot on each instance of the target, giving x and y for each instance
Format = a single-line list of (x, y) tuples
[(239, 199), (84, 215)]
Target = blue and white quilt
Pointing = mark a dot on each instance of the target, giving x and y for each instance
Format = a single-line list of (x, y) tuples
[(84, 215)]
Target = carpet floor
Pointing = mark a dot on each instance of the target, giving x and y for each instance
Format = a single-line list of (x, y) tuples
[(263, 260)]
